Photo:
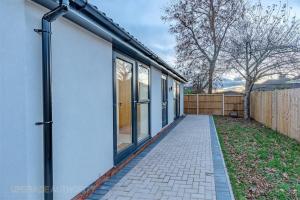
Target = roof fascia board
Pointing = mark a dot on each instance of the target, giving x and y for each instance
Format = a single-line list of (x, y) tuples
[(81, 19)]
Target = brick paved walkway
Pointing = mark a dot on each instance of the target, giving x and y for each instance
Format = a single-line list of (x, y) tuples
[(181, 166)]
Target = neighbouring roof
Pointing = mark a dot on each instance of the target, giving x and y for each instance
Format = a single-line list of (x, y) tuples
[(282, 82), (103, 20), (268, 87), (230, 92)]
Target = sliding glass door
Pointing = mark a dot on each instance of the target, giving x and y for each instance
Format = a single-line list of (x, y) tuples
[(124, 131), (143, 103), (176, 99), (164, 99), (131, 105)]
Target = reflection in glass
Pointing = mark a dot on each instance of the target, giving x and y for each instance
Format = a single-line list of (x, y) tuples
[(142, 121), (176, 101), (123, 96), (164, 98), (143, 105), (143, 83)]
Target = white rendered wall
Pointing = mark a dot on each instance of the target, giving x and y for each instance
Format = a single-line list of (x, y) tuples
[(170, 100), (156, 107), (82, 105), (21, 144)]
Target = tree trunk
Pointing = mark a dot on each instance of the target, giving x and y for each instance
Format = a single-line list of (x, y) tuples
[(210, 77), (248, 89), (247, 105), (210, 82)]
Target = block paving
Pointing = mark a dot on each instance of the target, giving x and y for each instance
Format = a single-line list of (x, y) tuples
[(180, 166)]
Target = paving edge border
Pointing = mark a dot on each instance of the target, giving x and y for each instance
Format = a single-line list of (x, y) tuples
[(213, 130), (110, 178)]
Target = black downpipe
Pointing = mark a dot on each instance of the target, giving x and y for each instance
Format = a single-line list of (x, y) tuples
[(47, 95), (47, 110)]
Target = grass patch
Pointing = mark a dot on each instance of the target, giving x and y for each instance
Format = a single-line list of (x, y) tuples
[(262, 164)]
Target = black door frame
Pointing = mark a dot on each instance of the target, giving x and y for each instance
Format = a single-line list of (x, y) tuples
[(166, 100), (176, 89), (119, 156), (148, 102)]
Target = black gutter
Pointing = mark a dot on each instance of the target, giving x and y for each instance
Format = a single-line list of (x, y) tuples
[(47, 19), (106, 22), (111, 32)]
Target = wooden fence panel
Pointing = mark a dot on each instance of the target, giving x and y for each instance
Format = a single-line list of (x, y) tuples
[(274, 110), (279, 110), (213, 104), (210, 104), (295, 114), (190, 104), (234, 103), (266, 108), (282, 111)]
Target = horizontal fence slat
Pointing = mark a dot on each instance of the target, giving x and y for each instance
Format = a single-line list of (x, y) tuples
[(212, 104)]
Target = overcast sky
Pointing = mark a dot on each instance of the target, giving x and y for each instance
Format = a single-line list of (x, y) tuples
[(142, 18)]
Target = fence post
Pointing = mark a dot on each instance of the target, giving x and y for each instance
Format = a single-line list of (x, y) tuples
[(276, 110), (197, 104), (223, 104)]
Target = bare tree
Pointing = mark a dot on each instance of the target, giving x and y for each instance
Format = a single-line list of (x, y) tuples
[(197, 72), (200, 27), (196, 75), (264, 42)]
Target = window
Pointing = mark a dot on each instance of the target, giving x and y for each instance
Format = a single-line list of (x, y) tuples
[(143, 83), (176, 97), (124, 98), (143, 102), (164, 99), (131, 105)]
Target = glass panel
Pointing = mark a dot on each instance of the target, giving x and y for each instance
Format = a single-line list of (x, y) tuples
[(164, 99), (163, 88), (143, 83), (142, 121), (178, 100), (174, 99), (123, 96)]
